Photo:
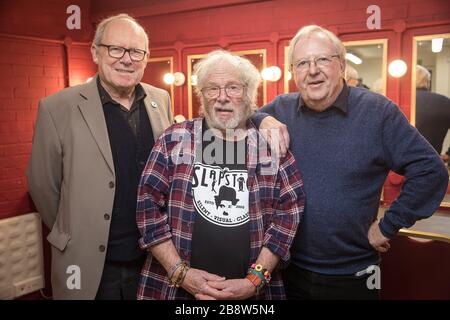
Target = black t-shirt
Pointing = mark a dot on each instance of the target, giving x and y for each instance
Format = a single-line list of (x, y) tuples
[(221, 233)]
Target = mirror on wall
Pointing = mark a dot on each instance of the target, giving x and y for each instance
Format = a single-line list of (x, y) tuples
[(368, 61), (155, 71), (366, 65), (257, 57), (430, 94)]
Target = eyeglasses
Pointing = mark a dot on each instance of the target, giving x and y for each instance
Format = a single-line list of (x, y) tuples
[(118, 52), (321, 61), (232, 91)]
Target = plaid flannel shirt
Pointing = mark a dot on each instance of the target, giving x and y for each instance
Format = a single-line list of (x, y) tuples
[(165, 209)]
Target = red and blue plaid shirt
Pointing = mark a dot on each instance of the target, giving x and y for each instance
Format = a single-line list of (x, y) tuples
[(165, 207)]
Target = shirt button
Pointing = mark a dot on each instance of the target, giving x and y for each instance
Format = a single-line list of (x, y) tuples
[(106, 216), (101, 248), (111, 184)]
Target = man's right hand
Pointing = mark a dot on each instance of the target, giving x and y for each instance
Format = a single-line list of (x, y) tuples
[(376, 239), (276, 134), (196, 280)]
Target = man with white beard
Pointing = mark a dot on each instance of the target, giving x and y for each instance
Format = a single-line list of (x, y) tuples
[(217, 222)]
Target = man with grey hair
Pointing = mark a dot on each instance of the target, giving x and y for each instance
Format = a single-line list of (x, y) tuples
[(432, 112), (215, 216), (345, 140), (90, 146), (351, 76)]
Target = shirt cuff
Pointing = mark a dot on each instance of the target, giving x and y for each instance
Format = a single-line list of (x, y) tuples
[(388, 229), (277, 247), (155, 238)]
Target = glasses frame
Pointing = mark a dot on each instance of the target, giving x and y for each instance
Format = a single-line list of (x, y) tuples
[(295, 67), (125, 50), (225, 88)]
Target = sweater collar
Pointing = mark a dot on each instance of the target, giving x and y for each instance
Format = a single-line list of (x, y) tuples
[(341, 102)]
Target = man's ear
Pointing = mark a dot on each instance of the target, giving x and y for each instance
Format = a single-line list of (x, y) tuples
[(94, 53), (147, 58), (343, 66)]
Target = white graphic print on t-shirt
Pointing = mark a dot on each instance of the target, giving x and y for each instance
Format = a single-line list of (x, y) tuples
[(221, 194)]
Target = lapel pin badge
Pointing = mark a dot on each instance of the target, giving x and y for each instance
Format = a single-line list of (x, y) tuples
[(154, 105)]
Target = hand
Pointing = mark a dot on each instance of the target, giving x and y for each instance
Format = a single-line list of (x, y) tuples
[(196, 281), (445, 158), (239, 289), (376, 239), (276, 134)]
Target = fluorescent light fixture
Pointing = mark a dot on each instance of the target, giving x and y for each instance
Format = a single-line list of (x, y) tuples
[(352, 58), (436, 45)]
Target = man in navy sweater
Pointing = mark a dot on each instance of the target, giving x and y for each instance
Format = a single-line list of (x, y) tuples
[(345, 140)]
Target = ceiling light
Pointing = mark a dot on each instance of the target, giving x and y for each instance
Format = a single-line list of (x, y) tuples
[(436, 45), (352, 58)]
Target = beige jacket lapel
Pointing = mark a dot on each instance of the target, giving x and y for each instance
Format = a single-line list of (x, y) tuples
[(92, 111), (157, 106)]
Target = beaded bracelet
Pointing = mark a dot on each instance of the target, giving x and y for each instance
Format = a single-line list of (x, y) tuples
[(256, 281), (264, 272), (258, 276)]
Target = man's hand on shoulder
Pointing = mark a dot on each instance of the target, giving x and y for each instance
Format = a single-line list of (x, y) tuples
[(276, 134)]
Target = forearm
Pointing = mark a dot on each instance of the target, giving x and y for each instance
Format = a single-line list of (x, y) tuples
[(267, 259), (407, 153), (166, 253)]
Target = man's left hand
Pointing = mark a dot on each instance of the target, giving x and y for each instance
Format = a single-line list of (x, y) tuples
[(241, 289), (376, 239)]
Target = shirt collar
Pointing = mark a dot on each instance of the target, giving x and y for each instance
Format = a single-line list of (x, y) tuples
[(105, 97), (341, 102)]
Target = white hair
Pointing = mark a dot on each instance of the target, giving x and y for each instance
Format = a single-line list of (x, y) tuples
[(423, 78), (309, 30), (247, 72), (351, 73)]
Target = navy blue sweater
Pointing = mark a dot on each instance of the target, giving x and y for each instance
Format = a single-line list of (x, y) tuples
[(344, 156)]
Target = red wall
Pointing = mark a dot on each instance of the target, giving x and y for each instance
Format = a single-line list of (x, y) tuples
[(45, 19), (29, 71), (34, 62)]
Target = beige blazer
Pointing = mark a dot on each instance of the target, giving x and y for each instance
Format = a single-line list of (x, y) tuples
[(71, 180)]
